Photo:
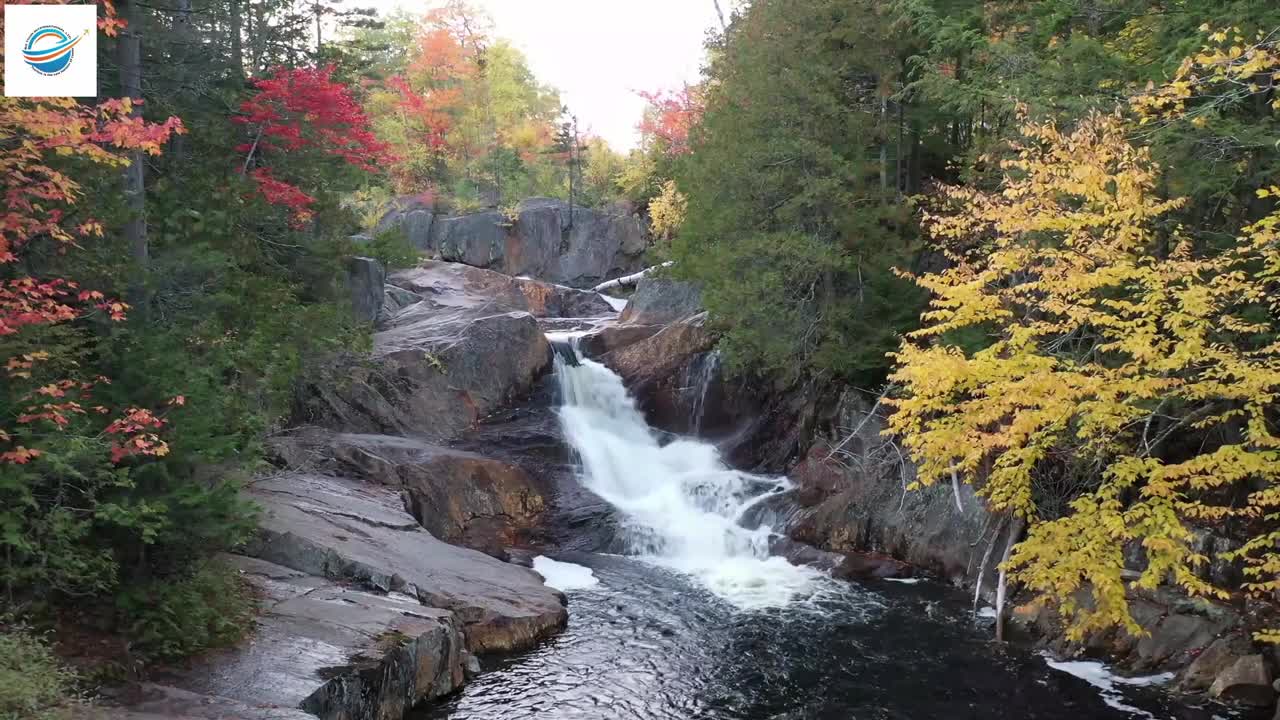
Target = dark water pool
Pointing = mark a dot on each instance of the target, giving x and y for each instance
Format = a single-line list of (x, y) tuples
[(647, 644)]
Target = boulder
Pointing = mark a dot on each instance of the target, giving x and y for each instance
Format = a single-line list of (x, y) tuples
[(460, 497), (454, 286), (1246, 681), (614, 337), (357, 533), (415, 215), (431, 375), (1172, 640), (366, 278), (660, 301), (478, 240), (1220, 655), (660, 371)]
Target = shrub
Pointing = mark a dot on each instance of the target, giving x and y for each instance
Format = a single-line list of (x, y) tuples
[(34, 685), (169, 619), (392, 248)]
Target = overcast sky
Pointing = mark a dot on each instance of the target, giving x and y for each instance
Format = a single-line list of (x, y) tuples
[(598, 53)]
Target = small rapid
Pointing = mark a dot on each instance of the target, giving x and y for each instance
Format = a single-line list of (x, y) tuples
[(682, 506)]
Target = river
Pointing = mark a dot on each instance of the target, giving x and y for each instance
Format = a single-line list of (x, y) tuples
[(698, 620)]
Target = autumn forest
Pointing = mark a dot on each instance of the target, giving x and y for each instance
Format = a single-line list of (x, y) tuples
[(1042, 239)]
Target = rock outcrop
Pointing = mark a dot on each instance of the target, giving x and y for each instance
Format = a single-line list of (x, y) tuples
[(460, 497), (661, 301), (321, 650), (852, 496), (366, 279), (457, 343), (348, 530), (543, 238)]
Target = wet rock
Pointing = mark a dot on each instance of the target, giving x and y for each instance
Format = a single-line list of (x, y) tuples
[(453, 286), (153, 701), (1215, 659), (653, 370), (661, 301), (365, 279), (1247, 681), (872, 565), (615, 337), (330, 651), (459, 497), (798, 553), (347, 530), (1171, 641)]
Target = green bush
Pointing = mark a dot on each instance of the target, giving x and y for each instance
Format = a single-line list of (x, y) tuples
[(392, 248), (171, 618), (34, 685)]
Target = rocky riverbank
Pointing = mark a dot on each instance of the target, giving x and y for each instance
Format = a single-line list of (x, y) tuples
[(421, 477), (852, 498)]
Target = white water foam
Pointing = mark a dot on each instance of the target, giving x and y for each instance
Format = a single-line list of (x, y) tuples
[(682, 505), (1101, 677), (564, 576), (618, 304)]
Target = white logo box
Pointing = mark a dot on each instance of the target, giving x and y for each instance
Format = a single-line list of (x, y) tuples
[(51, 50)]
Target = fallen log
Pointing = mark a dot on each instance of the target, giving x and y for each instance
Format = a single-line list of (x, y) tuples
[(628, 280)]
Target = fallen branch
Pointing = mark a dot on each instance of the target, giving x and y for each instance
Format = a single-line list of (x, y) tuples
[(628, 280), (1014, 533)]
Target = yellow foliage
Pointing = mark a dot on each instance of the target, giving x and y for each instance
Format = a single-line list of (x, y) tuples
[(1103, 343), (667, 211)]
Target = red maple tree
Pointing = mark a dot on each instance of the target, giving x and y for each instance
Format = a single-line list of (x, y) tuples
[(671, 116), (40, 199), (304, 109)]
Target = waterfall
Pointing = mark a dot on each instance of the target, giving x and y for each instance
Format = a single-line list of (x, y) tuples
[(701, 373), (681, 504)]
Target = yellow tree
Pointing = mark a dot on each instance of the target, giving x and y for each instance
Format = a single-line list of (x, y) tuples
[(1080, 339)]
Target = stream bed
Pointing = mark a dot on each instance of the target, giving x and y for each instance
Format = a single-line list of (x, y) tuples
[(699, 620), (649, 643)]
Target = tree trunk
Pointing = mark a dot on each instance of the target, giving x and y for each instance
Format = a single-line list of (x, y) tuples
[(237, 48), (185, 35), (628, 280), (884, 144), (135, 191), (1015, 531)]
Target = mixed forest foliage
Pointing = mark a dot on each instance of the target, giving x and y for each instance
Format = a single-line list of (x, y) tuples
[(1047, 231), (173, 256)]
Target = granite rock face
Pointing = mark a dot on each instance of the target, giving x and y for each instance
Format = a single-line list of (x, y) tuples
[(660, 301), (460, 497), (348, 530), (543, 238), (366, 278), (321, 650)]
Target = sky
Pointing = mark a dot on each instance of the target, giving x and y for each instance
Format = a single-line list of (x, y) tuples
[(599, 53)]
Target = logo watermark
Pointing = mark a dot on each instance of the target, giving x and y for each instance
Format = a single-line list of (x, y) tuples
[(50, 50)]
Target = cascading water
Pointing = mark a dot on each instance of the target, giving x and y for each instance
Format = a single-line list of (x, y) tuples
[(700, 376), (682, 506)]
